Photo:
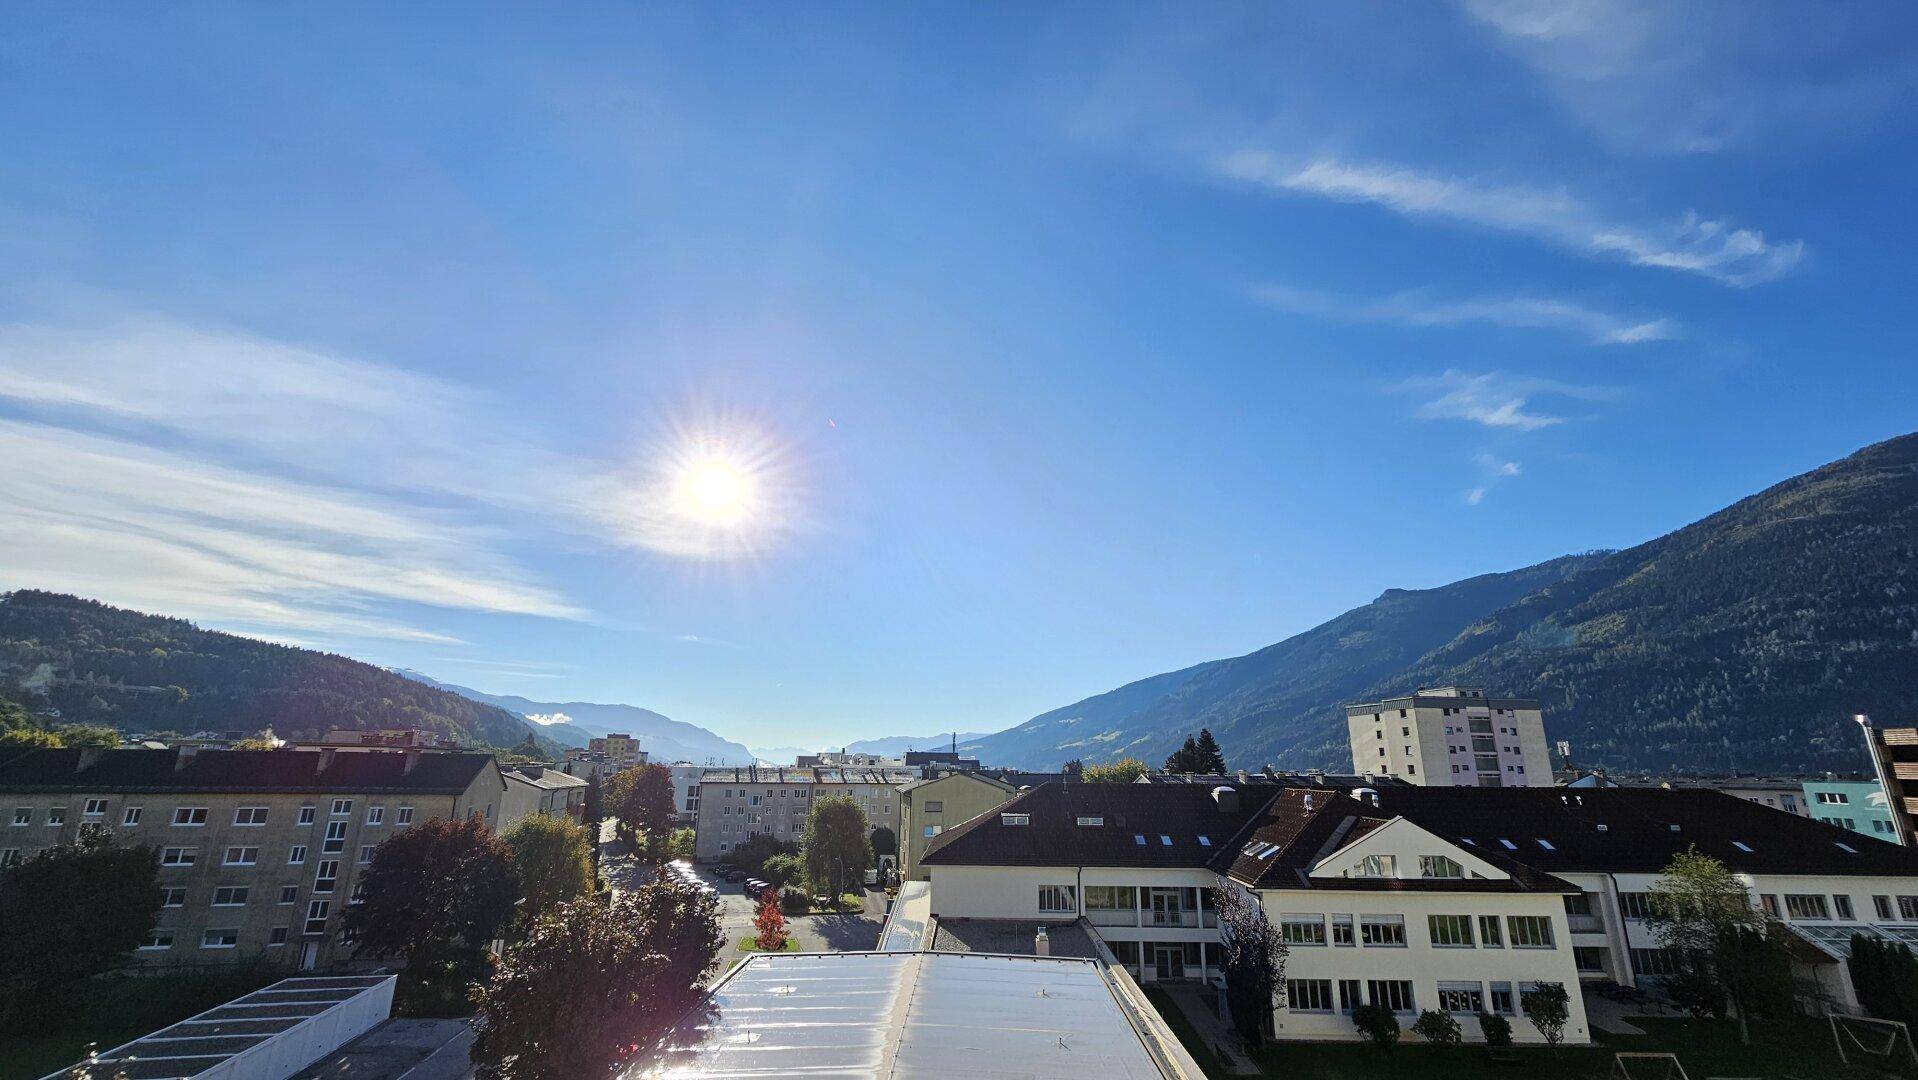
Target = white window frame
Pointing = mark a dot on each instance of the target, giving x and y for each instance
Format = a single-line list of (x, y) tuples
[(189, 817)]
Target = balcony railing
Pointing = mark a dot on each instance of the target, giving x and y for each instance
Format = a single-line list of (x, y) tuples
[(1585, 924), (1113, 916), (1172, 918)]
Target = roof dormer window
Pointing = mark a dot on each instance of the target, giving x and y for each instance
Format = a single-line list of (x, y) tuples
[(1015, 819)]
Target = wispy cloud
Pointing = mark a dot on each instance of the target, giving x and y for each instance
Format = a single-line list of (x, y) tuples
[(1692, 244), (1422, 308), (1495, 399)]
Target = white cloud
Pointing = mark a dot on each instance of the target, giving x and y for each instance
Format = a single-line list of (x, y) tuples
[(1421, 308), (1498, 467), (1495, 399), (1712, 249), (1475, 496), (549, 719)]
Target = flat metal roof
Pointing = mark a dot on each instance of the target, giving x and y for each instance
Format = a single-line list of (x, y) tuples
[(901, 1015)]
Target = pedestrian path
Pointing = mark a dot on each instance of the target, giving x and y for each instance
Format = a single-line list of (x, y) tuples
[(1196, 1003)]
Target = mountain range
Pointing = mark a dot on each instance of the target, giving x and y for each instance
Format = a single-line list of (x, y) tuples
[(889, 746), (1742, 642), (572, 723)]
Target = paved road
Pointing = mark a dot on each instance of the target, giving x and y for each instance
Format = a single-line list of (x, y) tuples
[(815, 933)]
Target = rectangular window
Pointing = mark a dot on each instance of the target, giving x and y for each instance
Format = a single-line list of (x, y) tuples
[(1588, 957), (279, 936), (1394, 994), (1635, 905), (23, 815), (296, 856), (934, 806), (172, 897), (405, 816), (250, 816), (1349, 999), (316, 916), (95, 808), (366, 854), (306, 814), (130, 816), (1302, 929), (1382, 930), (342, 807), (1530, 931), (335, 841), (230, 896), (289, 893), (1378, 866), (1451, 931), (177, 856), (1308, 995), (1439, 866), (1882, 905), (1806, 907), (1056, 898), (161, 938), (241, 856), (1770, 903), (1504, 1002), (1342, 930), (376, 815), (1111, 898), (1461, 998), (1843, 904), (225, 938), (327, 876), (189, 815), (1908, 908), (931, 831), (57, 815), (1654, 962), (1015, 819)]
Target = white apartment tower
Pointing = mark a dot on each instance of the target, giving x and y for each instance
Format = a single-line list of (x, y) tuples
[(1450, 735)]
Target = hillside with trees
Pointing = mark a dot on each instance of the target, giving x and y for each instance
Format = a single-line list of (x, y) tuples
[(101, 665)]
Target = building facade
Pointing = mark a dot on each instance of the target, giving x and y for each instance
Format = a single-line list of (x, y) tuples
[(1857, 805), (686, 778), (260, 850), (1451, 735), (540, 789), (620, 749), (735, 803), (928, 807)]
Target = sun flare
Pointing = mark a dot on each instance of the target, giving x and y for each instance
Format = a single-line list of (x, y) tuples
[(714, 490)]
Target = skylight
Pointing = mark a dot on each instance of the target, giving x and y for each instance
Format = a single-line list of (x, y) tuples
[(1742, 846), (1509, 846), (1092, 821), (1546, 844), (1015, 819), (1205, 841), (1845, 846), (1139, 839)]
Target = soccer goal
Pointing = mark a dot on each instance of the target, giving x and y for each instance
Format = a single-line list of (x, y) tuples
[(1886, 1042), (1647, 1067)]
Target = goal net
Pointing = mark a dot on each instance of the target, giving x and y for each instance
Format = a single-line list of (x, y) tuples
[(1884, 1042), (1647, 1067)]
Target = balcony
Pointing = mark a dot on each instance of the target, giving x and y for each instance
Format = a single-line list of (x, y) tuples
[(1172, 918), (1112, 916), (1585, 924)]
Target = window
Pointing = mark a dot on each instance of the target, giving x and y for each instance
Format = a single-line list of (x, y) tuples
[(230, 896), (935, 806), (95, 808), (1111, 898), (335, 841), (1056, 898), (241, 856), (1461, 998), (342, 807), (1015, 819), (1308, 995), (1302, 929), (250, 816), (1908, 908), (1094, 820), (1770, 903), (1504, 1002), (172, 897), (161, 938), (1451, 931), (23, 815), (130, 816), (57, 815), (1378, 866), (1635, 905), (1530, 931), (278, 937), (1588, 957), (289, 893), (316, 916), (1342, 930), (1349, 999), (1882, 905), (933, 830), (366, 854), (1807, 907), (1440, 866), (296, 856), (189, 815), (1385, 930), (1165, 840), (225, 938), (177, 856), (405, 816), (1394, 994), (306, 814), (327, 876)]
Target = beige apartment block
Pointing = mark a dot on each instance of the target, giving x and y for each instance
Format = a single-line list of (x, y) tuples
[(1451, 735), (735, 803), (929, 807), (260, 850)]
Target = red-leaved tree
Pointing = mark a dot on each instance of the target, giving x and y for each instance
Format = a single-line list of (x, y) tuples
[(771, 923)]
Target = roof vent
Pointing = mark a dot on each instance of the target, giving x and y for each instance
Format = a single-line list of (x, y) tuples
[(1308, 800), (1226, 798), (1366, 794), (1673, 826), (1602, 827)]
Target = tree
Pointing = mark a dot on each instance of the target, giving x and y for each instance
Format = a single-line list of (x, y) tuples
[(1723, 946), (433, 889), (1185, 758), (836, 850), (1438, 1028), (264, 740), (1210, 758), (1548, 1007), (1497, 1029), (885, 845), (782, 870), (1254, 966), (642, 799), (553, 862), (593, 815), (71, 912), (594, 983), (752, 853), (1123, 771), (1377, 1023), (1885, 975), (770, 924)]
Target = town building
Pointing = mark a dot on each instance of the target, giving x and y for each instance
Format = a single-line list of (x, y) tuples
[(1777, 793), (929, 807), (387, 739), (540, 789), (735, 803), (1858, 805), (619, 748), (1894, 760), (1451, 735), (260, 850), (845, 759), (686, 778)]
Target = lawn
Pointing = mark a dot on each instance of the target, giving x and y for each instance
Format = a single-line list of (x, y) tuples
[(1793, 1050), (750, 944), (116, 1009)]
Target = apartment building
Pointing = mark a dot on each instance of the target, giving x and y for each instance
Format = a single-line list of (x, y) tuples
[(735, 803), (928, 808), (1451, 735), (1894, 760), (260, 850), (619, 748), (1857, 805), (686, 778), (540, 789)]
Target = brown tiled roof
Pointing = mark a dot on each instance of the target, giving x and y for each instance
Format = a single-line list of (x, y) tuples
[(1147, 825), (445, 772)]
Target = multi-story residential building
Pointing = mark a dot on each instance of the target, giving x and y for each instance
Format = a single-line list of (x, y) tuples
[(686, 790), (1894, 761), (735, 803), (1777, 793), (929, 807), (540, 789), (1858, 805), (621, 749), (845, 759), (1451, 735), (1417, 897), (260, 850)]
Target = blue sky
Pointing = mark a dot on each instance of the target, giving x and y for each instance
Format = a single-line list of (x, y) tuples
[(1059, 345)]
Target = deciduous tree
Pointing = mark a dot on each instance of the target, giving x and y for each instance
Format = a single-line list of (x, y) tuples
[(642, 799), (770, 923), (432, 889), (1123, 771), (594, 984), (1549, 1007), (836, 850), (553, 863), (1254, 966), (1727, 950), (70, 912)]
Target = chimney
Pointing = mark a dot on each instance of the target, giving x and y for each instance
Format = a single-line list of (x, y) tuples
[(1041, 943), (412, 761), (1226, 798)]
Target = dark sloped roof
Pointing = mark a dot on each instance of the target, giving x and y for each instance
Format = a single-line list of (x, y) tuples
[(448, 772), (1638, 835), (1180, 813)]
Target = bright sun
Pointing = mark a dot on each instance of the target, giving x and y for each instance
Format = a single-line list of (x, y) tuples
[(714, 491)]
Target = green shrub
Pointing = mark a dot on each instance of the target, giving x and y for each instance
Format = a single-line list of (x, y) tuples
[(1497, 1029), (1438, 1028), (1377, 1023), (794, 901)]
